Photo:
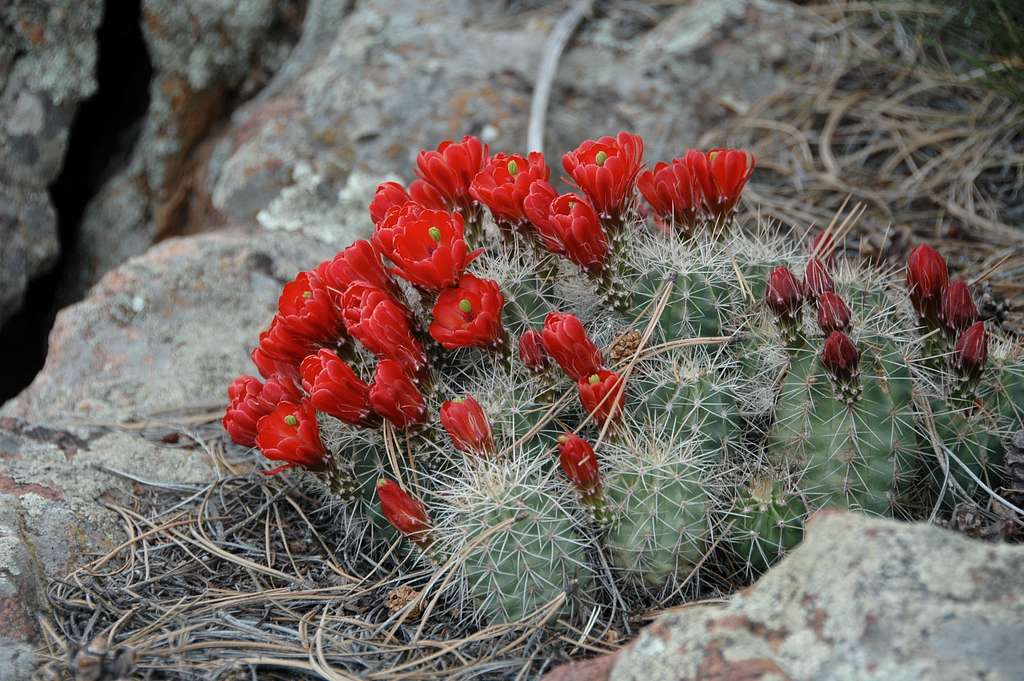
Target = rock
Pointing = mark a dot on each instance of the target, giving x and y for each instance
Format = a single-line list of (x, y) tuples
[(390, 81), (47, 66), (205, 56), (51, 483), (861, 598), (167, 330)]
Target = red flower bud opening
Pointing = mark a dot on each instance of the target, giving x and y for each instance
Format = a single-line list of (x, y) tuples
[(840, 356), (450, 169), (278, 346), (579, 463), (600, 394), (958, 311), (405, 513), (359, 262), (467, 426), (606, 170), (394, 395), (537, 208), (566, 341), (971, 352), (505, 182), (927, 276), (426, 245), (335, 389), (833, 315), (388, 196), (377, 321), (290, 433), (532, 352), (783, 294), (817, 280), (469, 315), (673, 193), (722, 174)]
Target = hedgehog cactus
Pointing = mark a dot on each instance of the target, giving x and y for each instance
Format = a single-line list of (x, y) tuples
[(531, 387)]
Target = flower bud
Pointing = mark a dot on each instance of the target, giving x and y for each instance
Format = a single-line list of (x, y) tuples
[(467, 426), (335, 389), (783, 294), (395, 396), (840, 356), (817, 280), (971, 352), (958, 310), (567, 342), (927, 276), (833, 315), (405, 513), (579, 463), (532, 353)]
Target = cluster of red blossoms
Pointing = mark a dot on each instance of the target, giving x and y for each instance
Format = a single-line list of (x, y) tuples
[(941, 305), (422, 234)]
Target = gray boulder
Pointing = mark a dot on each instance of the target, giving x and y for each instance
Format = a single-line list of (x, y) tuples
[(47, 66), (860, 599)]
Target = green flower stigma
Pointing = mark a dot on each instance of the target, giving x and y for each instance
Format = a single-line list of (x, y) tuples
[(291, 420), (465, 305), (594, 379), (434, 233), (307, 294), (512, 168), (600, 158)]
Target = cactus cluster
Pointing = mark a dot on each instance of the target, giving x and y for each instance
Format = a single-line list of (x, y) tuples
[(539, 390)]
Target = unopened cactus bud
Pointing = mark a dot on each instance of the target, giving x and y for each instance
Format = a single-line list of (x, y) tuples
[(817, 280), (971, 352), (958, 310), (833, 315), (532, 353), (405, 513), (466, 424), (785, 298), (840, 358), (927, 276)]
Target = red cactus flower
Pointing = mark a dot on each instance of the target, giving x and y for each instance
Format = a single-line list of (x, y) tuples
[(579, 464), (405, 513), (823, 247), (377, 321), (284, 371), (600, 394), (308, 312), (721, 174), (532, 353), (504, 183), (424, 194), (427, 246), (469, 315), (833, 315), (290, 433), (537, 208), (673, 193), (335, 389), (817, 280), (927, 276), (783, 293), (388, 195), (281, 345), (839, 356), (395, 396), (358, 262), (958, 310), (451, 169), (249, 401), (971, 351), (566, 341), (606, 170), (466, 424)]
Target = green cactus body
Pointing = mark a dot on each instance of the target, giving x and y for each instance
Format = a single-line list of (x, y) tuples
[(1004, 384), (856, 454), (766, 524), (700, 303), (660, 512), (523, 550), (970, 434), (699, 408)]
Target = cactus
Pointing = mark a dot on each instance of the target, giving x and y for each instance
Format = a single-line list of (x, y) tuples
[(530, 397)]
